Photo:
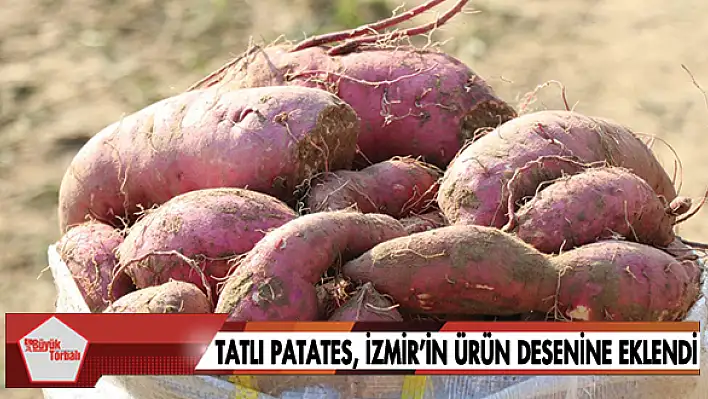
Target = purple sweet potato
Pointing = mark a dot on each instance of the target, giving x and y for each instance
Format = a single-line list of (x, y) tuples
[(367, 305), (276, 280), (465, 269), (596, 204), (423, 222), (624, 281), (195, 236), (267, 139), (170, 297), (396, 187), (473, 190), (410, 101), (89, 252)]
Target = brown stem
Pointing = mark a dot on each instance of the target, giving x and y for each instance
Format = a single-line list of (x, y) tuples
[(352, 45), (694, 244), (375, 27), (693, 212), (679, 206)]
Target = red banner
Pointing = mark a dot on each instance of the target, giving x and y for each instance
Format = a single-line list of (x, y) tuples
[(75, 350)]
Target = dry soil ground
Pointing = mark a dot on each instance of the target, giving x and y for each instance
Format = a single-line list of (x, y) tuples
[(69, 67)]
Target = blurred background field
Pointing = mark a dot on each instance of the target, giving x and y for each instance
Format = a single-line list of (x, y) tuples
[(70, 67)]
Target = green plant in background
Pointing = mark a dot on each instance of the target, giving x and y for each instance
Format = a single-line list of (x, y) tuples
[(346, 14), (352, 13)]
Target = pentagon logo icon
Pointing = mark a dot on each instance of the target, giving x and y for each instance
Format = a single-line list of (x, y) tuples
[(53, 352)]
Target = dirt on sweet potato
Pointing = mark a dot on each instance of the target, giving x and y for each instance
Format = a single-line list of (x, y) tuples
[(396, 187), (464, 269), (276, 280), (596, 204), (473, 190), (89, 251), (412, 102), (267, 139), (198, 236), (624, 281)]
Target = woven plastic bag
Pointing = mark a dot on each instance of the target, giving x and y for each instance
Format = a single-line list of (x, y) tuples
[(69, 300)]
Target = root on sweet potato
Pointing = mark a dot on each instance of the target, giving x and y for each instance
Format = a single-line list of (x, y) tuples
[(367, 305)]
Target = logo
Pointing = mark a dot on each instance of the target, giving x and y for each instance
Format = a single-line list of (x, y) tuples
[(53, 352)]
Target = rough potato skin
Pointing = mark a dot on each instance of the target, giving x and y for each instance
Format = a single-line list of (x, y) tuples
[(599, 203), (367, 305), (267, 139), (210, 227), (424, 222), (473, 190), (330, 295), (410, 101), (89, 252), (275, 281), (465, 269), (396, 187), (170, 297), (625, 281)]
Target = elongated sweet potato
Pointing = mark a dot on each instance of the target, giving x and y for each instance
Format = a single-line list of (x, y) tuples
[(624, 281), (596, 204), (410, 101), (265, 139), (367, 305), (275, 281), (395, 187), (170, 297), (89, 252), (465, 269), (473, 190), (424, 222), (195, 236)]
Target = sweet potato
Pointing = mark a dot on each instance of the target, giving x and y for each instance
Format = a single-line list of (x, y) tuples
[(596, 204), (464, 269), (265, 139), (170, 297), (275, 281), (325, 302), (624, 281), (367, 305), (423, 222), (330, 296), (410, 101), (89, 252), (195, 236), (396, 187), (473, 190)]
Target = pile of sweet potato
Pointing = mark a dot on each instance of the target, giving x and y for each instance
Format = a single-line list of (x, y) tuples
[(349, 177)]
